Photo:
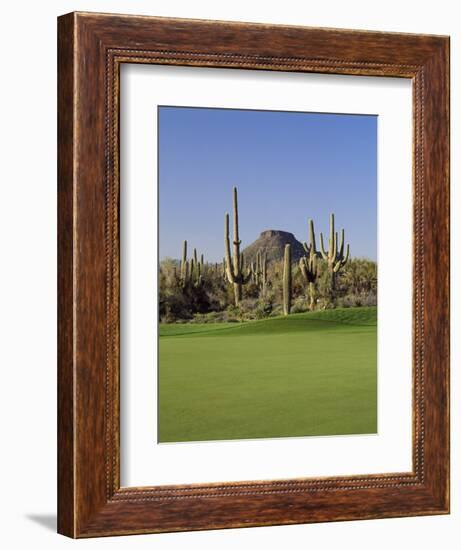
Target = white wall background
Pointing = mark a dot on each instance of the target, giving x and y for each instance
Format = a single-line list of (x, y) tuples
[(28, 271)]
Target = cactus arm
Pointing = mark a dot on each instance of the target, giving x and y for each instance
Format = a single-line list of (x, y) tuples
[(341, 244), (253, 272), (242, 265), (185, 274), (342, 261), (228, 259), (308, 264), (312, 265), (312, 236), (322, 248), (236, 241), (315, 265), (302, 267), (246, 278), (183, 260), (265, 268), (332, 242), (236, 218), (245, 271)]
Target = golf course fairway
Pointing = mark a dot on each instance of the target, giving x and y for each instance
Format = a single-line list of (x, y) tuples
[(302, 375)]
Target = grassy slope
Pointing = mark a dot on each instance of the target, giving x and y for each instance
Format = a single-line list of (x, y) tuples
[(306, 374)]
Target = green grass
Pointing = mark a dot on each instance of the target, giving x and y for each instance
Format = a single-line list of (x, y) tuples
[(305, 374)]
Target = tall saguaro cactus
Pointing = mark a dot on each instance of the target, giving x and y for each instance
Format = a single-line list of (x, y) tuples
[(308, 265), (334, 256), (235, 264), (287, 280)]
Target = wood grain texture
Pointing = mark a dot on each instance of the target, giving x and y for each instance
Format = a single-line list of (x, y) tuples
[(91, 49), (66, 487)]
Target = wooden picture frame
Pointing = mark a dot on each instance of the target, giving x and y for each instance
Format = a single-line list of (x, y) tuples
[(91, 50)]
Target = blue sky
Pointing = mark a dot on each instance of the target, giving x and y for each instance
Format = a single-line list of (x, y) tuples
[(287, 166)]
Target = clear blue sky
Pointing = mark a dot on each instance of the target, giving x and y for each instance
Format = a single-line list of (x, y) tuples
[(288, 167)]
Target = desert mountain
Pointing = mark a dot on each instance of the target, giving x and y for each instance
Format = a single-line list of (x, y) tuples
[(273, 241)]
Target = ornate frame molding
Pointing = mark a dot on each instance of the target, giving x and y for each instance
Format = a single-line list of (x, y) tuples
[(91, 49)]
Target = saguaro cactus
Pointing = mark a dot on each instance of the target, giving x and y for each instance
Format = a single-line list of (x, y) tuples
[(259, 271), (235, 264), (309, 266), (287, 280), (191, 271), (184, 267), (335, 258)]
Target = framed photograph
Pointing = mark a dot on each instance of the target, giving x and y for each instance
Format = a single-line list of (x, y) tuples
[(253, 259)]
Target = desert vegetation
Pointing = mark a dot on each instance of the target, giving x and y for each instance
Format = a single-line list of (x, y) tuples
[(249, 285)]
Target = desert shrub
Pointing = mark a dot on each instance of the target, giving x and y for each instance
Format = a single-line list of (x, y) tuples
[(172, 307), (245, 311), (211, 317), (300, 305), (251, 290), (360, 276), (277, 310), (364, 299)]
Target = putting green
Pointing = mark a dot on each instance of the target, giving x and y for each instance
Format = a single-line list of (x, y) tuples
[(305, 374)]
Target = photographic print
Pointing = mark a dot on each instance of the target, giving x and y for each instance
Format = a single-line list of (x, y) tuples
[(267, 282)]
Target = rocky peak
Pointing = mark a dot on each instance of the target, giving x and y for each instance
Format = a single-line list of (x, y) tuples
[(273, 241)]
